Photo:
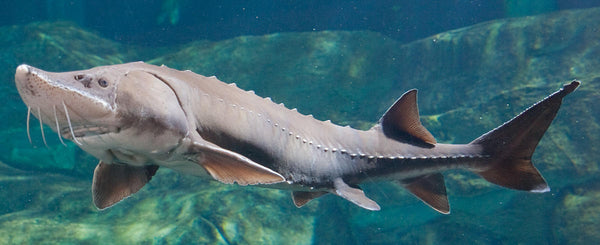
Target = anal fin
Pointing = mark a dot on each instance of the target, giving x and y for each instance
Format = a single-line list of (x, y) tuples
[(301, 198), (114, 182), (354, 195), (431, 190)]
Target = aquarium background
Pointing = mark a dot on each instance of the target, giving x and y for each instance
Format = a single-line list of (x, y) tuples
[(476, 64)]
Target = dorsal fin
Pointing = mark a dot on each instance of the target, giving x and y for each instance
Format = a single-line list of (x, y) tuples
[(431, 190), (402, 121)]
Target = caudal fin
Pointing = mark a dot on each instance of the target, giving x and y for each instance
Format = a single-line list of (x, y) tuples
[(512, 144)]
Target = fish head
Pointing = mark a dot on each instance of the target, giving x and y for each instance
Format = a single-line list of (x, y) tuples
[(118, 113), (88, 96)]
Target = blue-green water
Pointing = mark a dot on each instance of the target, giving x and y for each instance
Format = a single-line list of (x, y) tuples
[(344, 61)]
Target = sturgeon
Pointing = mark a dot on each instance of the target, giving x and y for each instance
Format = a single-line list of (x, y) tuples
[(137, 117)]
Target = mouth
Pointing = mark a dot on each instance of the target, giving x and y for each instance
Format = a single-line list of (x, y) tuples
[(67, 130), (87, 130)]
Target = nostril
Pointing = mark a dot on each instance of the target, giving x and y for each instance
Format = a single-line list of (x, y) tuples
[(84, 79)]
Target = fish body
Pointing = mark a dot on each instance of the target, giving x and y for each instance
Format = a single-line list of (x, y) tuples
[(137, 117)]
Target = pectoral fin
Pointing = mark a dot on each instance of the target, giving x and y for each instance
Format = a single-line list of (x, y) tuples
[(431, 190), (354, 195), (114, 182), (230, 167)]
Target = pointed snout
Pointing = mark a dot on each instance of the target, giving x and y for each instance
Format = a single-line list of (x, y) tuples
[(51, 92), (22, 71), (25, 82), (21, 76)]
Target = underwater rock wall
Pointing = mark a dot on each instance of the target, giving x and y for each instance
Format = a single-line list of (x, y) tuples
[(470, 80)]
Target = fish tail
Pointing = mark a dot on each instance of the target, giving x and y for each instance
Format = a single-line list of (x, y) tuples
[(511, 145)]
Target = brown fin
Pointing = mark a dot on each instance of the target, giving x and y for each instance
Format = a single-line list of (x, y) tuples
[(114, 182), (519, 174), (230, 167), (301, 198), (402, 121), (354, 195), (511, 145), (431, 190)]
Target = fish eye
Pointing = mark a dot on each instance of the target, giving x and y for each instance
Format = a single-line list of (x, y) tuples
[(103, 83)]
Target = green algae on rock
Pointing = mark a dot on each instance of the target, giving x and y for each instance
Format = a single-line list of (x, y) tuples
[(577, 213), (172, 209)]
